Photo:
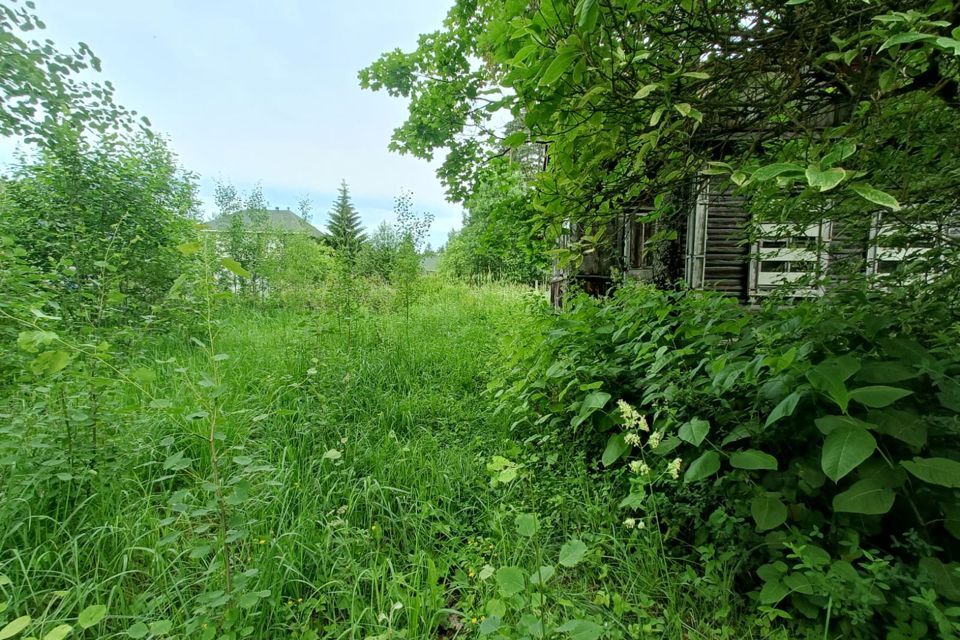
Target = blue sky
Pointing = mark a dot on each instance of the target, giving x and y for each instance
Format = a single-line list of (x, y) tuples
[(249, 90)]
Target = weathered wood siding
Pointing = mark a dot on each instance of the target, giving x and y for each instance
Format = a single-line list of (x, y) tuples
[(727, 255)]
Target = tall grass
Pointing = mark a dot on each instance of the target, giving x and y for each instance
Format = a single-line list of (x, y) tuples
[(372, 515)]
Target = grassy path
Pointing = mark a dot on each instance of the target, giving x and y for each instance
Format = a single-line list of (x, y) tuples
[(359, 502)]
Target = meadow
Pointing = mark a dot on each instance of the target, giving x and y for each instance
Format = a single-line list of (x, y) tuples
[(369, 490)]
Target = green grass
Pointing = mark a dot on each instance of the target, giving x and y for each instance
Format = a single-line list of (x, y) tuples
[(370, 511)]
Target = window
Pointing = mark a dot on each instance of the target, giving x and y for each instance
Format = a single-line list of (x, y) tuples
[(891, 244), (636, 253), (787, 256)]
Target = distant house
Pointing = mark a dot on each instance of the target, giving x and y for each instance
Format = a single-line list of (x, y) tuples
[(431, 263), (277, 221)]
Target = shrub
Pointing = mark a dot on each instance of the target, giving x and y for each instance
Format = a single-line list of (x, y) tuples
[(817, 442)]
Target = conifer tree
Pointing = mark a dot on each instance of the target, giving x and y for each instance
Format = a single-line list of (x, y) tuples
[(343, 227)]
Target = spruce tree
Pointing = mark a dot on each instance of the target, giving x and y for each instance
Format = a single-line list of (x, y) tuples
[(343, 228)]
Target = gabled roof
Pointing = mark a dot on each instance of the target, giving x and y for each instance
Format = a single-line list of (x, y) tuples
[(282, 220)]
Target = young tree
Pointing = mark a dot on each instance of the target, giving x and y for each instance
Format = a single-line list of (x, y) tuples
[(411, 231), (344, 228)]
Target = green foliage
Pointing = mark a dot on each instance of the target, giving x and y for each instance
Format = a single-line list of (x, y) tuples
[(497, 240), (845, 107), (816, 443), (41, 89), (411, 230), (101, 222), (344, 232)]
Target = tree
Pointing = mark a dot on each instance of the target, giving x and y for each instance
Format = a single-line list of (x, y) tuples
[(39, 88), (343, 227), (636, 99), (101, 220), (497, 240)]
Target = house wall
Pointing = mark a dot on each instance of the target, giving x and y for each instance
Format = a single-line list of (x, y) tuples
[(718, 255)]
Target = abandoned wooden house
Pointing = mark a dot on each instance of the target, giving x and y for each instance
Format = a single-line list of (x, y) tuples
[(720, 245)]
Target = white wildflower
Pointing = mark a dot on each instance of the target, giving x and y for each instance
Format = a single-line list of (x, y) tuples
[(631, 417), (642, 424), (632, 439), (655, 439), (641, 524), (674, 468), (630, 523), (639, 467)]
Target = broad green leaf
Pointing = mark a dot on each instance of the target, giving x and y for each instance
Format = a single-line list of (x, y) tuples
[(593, 401), (515, 139), (160, 627), (143, 374), (785, 408), (561, 63), (824, 180), (940, 471), (189, 248), (946, 579), (91, 616), (753, 460), (527, 524), (14, 627), (572, 553), (248, 600), (697, 75), (332, 454), (694, 431), (830, 375), (587, 13), (137, 631), (542, 575), (616, 447), (645, 91), (510, 581), (496, 607), (581, 629), (490, 625), (875, 196), (949, 43), (904, 38), (840, 152), (885, 372), (772, 171), (485, 572), (684, 108), (706, 465), (50, 362), (767, 511), (878, 396), (235, 267), (176, 461), (828, 424), (844, 449), (59, 632), (656, 116), (869, 497)]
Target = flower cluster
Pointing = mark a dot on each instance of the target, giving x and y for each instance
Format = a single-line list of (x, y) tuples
[(632, 418), (655, 439), (674, 468), (640, 467), (632, 439)]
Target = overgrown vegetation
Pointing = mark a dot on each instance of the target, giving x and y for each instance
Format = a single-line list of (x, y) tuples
[(258, 430)]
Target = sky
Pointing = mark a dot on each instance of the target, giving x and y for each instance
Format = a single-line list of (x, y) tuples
[(254, 91)]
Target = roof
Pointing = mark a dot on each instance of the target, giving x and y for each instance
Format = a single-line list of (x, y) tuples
[(282, 220), (431, 264)]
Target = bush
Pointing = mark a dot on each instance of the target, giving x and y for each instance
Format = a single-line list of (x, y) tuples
[(815, 444)]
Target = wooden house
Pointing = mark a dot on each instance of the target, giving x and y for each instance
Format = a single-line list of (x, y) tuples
[(720, 245)]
